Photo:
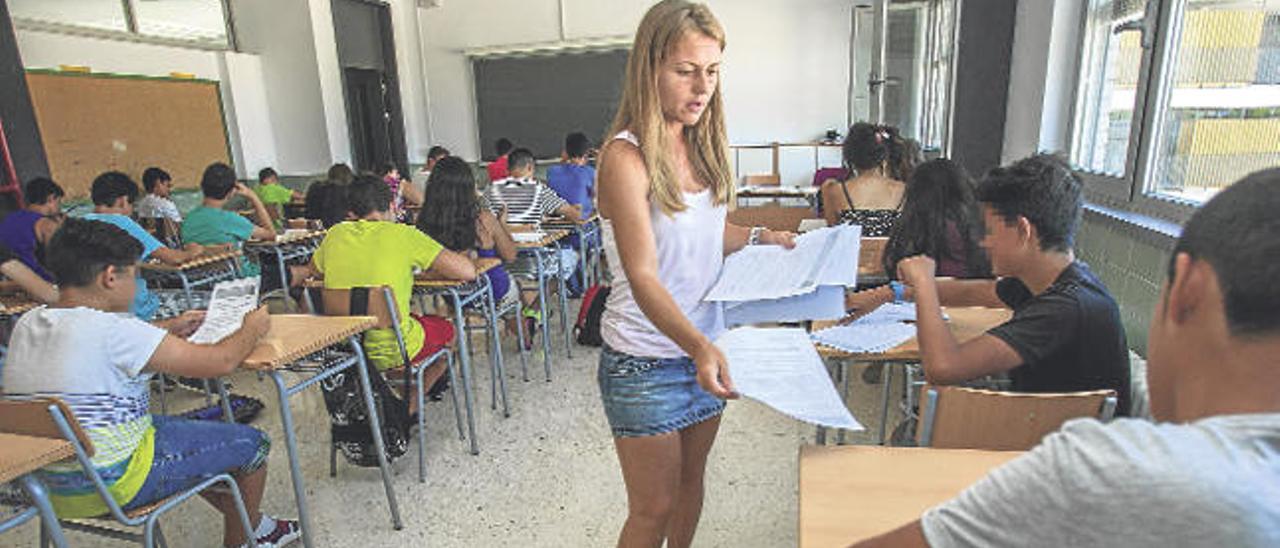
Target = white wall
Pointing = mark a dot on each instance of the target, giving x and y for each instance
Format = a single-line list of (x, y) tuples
[(332, 95), (1042, 78), (248, 113), (786, 65)]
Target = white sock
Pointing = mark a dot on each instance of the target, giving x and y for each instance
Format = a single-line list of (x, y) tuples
[(265, 526)]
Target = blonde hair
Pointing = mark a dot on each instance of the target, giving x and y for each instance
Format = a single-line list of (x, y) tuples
[(640, 111)]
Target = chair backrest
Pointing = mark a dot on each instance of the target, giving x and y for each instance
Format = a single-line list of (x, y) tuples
[(762, 180), (163, 228), (30, 417), (953, 417), (379, 302), (871, 257), (772, 217)]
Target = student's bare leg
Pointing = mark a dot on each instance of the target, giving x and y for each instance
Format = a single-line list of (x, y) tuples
[(251, 487), (651, 471), (695, 445)]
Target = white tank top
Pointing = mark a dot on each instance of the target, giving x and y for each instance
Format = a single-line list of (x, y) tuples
[(690, 247)]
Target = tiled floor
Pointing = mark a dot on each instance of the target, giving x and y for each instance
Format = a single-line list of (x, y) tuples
[(547, 476)]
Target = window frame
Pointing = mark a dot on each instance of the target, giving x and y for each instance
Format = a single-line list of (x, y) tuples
[(1160, 27), (132, 33)]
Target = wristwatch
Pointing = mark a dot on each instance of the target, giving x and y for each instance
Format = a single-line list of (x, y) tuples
[(753, 238), (899, 291)]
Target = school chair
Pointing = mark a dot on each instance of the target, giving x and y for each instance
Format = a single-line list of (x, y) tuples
[(871, 262), (48, 418), (762, 180), (164, 229), (954, 417), (380, 303), (772, 217)]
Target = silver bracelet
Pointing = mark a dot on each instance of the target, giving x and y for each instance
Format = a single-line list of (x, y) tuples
[(753, 238)]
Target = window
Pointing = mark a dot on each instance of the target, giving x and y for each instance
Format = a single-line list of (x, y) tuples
[(196, 22), (1177, 99)]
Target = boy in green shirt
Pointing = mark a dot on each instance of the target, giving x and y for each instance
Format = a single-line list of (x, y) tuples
[(274, 195), (374, 251)]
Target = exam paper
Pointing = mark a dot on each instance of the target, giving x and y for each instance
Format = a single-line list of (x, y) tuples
[(781, 369), (230, 301), (827, 256), (527, 237), (824, 303), (890, 312), (867, 338)]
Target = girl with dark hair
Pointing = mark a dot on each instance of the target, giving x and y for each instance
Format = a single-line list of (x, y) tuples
[(872, 198), (452, 215), (940, 218)]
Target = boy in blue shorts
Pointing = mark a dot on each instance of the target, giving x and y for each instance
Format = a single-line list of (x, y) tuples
[(88, 351)]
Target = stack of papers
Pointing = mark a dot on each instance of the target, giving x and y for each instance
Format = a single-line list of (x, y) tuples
[(768, 283), (227, 307), (865, 338), (527, 237), (781, 369)]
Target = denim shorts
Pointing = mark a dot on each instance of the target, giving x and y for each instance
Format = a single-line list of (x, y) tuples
[(651, 396), (188, 452)]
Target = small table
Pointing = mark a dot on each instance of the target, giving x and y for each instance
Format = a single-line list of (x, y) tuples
[(546, 263), (20, 457), (479, 292), (301, 344), (966, 323), (293, 244), (588, 232), (203, 271), (853, 493)]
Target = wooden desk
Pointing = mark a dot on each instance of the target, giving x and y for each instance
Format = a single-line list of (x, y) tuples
[(291, 236), (21, 455), (294, 336), (966, 324), (548, 237), (851, 493), (546, 265), (298, 244), (201, 261), (16, 305), (482, 264)]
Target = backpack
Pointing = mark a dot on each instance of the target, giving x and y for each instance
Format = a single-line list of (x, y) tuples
[(349, 426), (587, 329)]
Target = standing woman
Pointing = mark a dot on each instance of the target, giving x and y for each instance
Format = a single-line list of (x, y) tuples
[(664, 183)]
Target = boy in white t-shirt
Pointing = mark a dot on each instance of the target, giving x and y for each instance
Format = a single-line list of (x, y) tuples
[(87, 350), (157, 203), (1207, 473)]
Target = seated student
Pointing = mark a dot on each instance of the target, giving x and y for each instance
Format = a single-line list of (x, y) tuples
[(1065, 334), (15, 270), (1207, 472), (113, 194), (341, 173), (452, 216), (434, 154), (156, 204), (86, 351), (573, 179), (326, 201), (402, 194), (940, 218), (274, 195), (499, 168), (27, 231), (211, 225), (524, 199), (872, 198), (373, 251)]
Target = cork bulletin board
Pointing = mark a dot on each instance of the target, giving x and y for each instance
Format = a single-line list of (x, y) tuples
[(91, 123)]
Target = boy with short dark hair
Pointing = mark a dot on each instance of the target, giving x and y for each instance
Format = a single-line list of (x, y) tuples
[(87, 351), (211, 225), (1065, 334), (524, 199), (498, 168), (113, 194), (1207, 473), (372, 250), (26, 231), (274, 195), (156, 204), (572, 178)]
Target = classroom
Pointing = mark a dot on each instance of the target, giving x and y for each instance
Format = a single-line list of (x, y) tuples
[(639, 273)]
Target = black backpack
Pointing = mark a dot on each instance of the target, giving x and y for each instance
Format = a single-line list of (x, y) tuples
[(587, 328)]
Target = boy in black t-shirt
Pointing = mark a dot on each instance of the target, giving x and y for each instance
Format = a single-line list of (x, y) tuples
[(1065, 334)]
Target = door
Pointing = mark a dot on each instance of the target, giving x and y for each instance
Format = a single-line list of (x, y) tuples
[(369, 118), (902, 56)]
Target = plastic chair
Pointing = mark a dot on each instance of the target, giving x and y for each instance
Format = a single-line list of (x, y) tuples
[(47, 417), (954, 417)]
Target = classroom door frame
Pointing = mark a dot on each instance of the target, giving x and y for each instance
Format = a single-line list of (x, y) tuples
[(391, 105)]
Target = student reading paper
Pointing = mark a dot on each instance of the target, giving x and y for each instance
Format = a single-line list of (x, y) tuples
[(1065, 334), (1207, 473)]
